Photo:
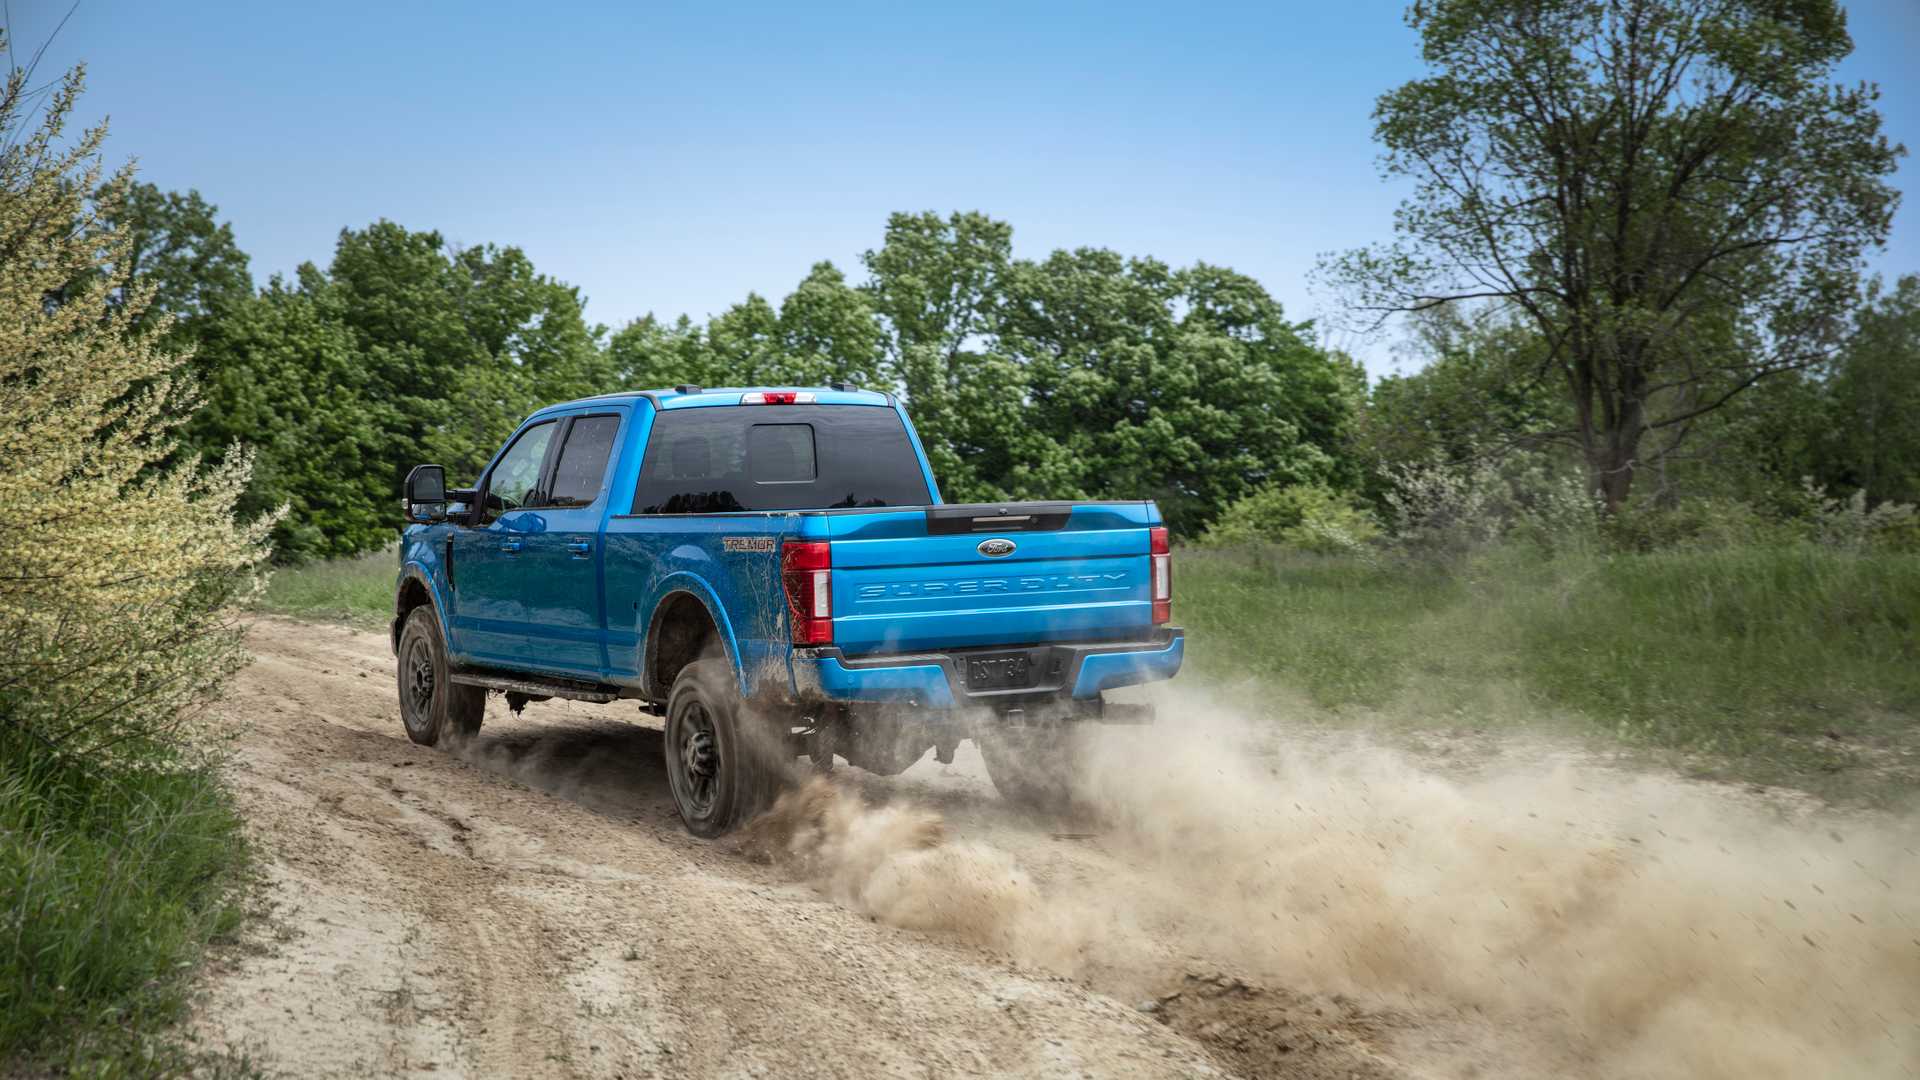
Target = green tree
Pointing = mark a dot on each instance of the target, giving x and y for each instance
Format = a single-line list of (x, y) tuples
[(935, 284), (402, 350), (828, 332), (646, 354), (1871, 441), (1479, 391), (178, 247), (1089, 374), (824, 331), (1673, 191), (285, 378), (458, 345), (1186, 386)]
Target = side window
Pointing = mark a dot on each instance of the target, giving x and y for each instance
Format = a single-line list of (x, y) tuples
[(516, 478), (583, 460)]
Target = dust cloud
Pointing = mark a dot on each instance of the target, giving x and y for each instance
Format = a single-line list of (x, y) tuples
[(1640, 925)]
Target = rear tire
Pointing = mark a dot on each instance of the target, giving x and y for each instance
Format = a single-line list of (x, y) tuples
[(432, 705), (722, 767), (1032, 766)]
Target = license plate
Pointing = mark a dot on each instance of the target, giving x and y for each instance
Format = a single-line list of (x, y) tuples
[(1006, 672)]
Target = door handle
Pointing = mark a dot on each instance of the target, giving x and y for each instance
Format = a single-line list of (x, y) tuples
[(511, 547), (580, 547)]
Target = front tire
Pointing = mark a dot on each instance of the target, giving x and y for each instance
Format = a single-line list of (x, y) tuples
[(721, 767), (432, 705)]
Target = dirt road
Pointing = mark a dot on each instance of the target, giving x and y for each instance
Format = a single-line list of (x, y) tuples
[(528, 905)]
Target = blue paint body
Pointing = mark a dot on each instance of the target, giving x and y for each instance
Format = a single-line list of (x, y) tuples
[(574, 592)]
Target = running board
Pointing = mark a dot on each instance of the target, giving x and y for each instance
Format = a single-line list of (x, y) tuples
[(536, 687)]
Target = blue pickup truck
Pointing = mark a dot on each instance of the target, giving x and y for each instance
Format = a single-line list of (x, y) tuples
[(773, 572)]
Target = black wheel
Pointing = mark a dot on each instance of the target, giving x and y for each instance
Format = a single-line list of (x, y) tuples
[(723, 769), (1032, 765), (433, 706)]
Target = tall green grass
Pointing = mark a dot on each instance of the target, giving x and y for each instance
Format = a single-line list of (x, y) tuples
[(358, 590), (1788, 662), (115, 875)]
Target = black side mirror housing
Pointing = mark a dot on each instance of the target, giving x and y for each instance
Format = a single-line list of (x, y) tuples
[(427, 493)]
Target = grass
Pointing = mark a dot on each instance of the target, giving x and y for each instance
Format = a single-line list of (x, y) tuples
[(1791, 664), (357, 591), (116, 876)]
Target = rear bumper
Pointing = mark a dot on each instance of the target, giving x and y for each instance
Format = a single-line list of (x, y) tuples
[(938, 680)]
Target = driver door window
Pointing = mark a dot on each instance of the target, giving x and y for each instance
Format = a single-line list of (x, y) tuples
[(515, 480)]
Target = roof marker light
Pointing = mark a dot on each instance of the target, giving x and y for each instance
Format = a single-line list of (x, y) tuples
[(777, 397)]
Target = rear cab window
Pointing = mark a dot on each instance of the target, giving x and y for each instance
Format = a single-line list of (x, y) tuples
[(732, 458)]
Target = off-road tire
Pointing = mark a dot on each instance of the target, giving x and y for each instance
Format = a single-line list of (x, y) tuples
[(1032, 766), (432, 705), (722, 770)]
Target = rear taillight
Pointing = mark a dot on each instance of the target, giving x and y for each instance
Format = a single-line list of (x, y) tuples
[(1161, 551), (778, 397), (806, 571)]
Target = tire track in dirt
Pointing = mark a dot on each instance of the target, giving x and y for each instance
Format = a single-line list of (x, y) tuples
[(429, 913)]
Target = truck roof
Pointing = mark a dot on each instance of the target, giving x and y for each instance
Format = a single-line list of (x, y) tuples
[(690, 397)]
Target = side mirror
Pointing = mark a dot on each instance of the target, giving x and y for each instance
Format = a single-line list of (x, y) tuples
[(427, 493)]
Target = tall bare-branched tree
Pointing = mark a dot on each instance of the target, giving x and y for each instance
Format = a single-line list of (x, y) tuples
[(1675, 193)]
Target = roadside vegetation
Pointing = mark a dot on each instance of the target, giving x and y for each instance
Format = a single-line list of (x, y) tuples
[(358, 590), (1792, 665), (121, 855)]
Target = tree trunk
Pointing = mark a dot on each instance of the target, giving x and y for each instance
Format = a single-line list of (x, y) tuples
[(1611, 460)]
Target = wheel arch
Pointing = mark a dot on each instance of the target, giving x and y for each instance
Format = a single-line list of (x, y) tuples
[(414, 590), (686, 623)]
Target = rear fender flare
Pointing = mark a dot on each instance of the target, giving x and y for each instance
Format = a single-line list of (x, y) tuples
[(684, 583)]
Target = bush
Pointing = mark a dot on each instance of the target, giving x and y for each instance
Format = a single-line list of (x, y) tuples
[(1809, 515), (116, 609), (1849, 524), (116, 622), (1444, 512), (1308, 517), (1696, 524)]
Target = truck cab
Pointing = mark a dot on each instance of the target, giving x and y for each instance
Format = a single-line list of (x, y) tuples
[(773, 572)]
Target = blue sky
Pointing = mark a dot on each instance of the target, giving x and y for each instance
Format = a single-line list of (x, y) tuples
[(670, 158)]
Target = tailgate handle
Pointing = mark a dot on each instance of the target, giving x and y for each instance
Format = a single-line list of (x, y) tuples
[(998, 517)]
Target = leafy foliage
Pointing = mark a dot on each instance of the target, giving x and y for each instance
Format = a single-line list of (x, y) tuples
[(1309, 517), (1672, 191), (114, 618), (401, 351), (1870, 438), (1085, 374)]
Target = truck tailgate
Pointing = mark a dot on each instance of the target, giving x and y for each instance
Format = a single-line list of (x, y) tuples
[(995, 574)]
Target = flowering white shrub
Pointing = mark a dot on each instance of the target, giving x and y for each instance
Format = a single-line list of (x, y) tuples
[(1440, 510), (1849, 525), (117, 599)]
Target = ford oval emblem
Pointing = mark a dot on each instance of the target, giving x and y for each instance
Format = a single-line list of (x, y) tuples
[(996, 547)]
